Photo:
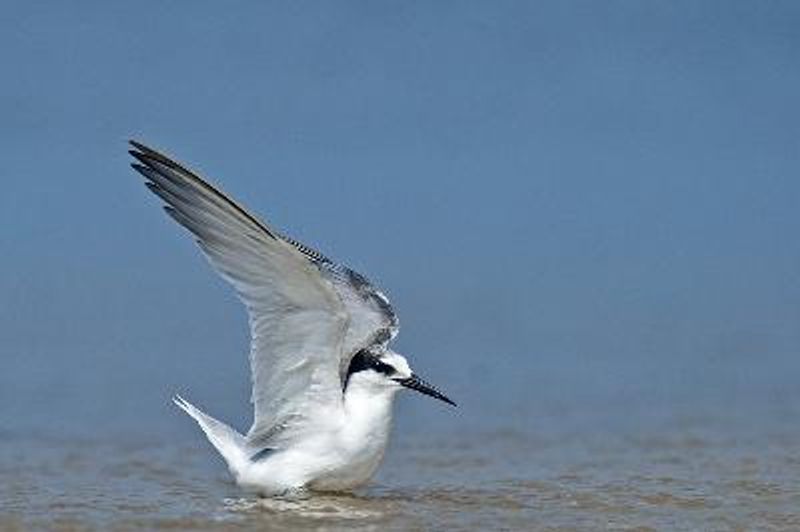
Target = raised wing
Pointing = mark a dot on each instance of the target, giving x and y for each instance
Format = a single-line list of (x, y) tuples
[(297, 320), (308, 316)]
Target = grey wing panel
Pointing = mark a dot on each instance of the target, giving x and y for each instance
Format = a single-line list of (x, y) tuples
[(297, 321)]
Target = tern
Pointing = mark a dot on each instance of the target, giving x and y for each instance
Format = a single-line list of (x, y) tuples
[(323, 376)]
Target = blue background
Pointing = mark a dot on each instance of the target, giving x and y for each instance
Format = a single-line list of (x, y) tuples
[(580, 210)]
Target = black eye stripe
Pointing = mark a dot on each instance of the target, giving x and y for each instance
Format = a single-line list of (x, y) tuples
[(364, 360)]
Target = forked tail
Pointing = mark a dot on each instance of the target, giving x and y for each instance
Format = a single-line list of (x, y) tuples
[(230, 444)]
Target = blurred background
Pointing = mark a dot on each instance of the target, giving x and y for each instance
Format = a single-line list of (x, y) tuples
[(586, 214)]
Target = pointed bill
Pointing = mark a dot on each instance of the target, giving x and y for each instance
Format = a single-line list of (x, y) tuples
[(423, 387)]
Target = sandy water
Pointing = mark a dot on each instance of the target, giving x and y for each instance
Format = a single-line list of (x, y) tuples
[(684, 472)]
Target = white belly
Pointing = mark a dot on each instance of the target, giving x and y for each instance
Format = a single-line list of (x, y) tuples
[(357, 461), (341, 458)]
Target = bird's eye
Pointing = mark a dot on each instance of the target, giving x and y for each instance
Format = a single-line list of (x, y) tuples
[(384, 368)]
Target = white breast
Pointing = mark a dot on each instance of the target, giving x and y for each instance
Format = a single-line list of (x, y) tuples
[(360, 444)]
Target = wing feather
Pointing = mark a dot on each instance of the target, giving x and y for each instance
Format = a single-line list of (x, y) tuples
[(308, 315)]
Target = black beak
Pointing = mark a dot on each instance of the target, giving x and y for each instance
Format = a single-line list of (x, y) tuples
[(415, 383)]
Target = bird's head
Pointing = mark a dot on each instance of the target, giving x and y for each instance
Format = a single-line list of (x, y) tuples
[(387, 369)]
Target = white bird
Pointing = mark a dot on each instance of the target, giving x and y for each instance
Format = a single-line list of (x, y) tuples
[(324, 379)]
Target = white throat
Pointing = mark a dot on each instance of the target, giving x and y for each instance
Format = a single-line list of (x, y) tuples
[(367, 403)]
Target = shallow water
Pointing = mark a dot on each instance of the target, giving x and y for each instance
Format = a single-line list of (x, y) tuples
[(685, 473)]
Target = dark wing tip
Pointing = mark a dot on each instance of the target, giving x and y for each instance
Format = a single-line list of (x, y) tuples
[(141, 168), (148, 156), (138, 145), (151, 159)]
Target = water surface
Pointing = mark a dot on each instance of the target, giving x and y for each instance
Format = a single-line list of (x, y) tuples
[(683, 472)]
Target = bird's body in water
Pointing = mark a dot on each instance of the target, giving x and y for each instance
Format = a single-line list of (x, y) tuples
[(324, 378)]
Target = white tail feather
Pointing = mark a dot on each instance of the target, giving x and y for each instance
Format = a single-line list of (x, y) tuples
[(230, 444)]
